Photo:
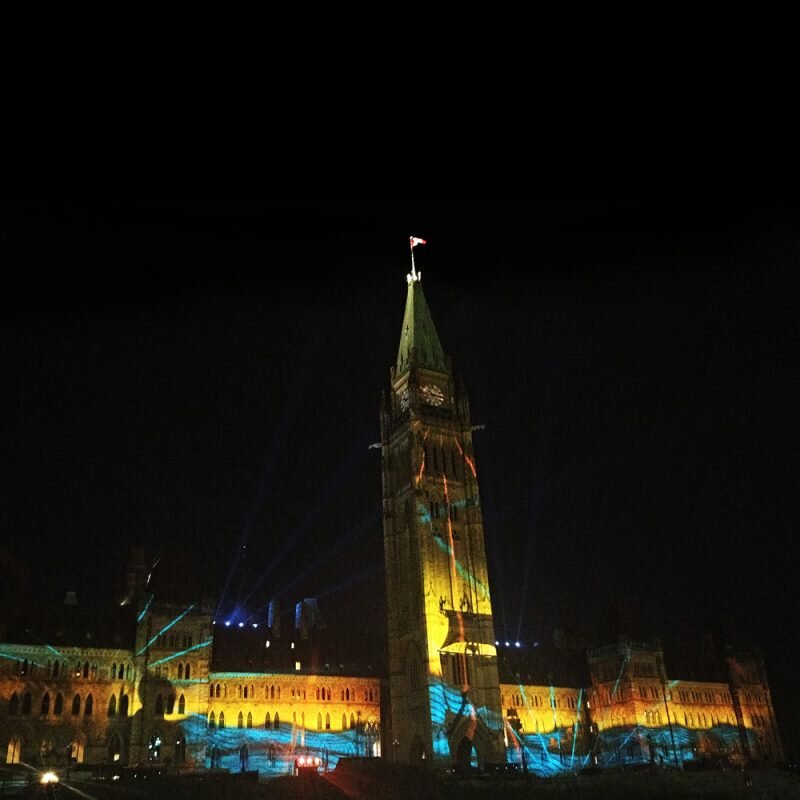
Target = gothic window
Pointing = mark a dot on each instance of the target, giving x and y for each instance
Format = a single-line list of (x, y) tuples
[(252, 690), (85, 669), (170, 706), (88, 706), (249, 719), (76, 705), (216, 691), (344, 722), (129, 669), (180, 672), (113, 670), (347, 694), (112, 706), (123, 705), (45, 709), (267, 721), (181, 705), (13, 705), (58, 705), (276, 723), (221, 719), (327, 722), (211, 720), (240, 720), (352, 721), (187, 672), (319, 722), (55, 669), (159, 706), (278, 693)]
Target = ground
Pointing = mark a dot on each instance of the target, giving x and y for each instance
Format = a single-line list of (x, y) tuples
[(391, 784)]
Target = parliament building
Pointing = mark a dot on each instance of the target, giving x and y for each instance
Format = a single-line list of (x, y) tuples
[(162, 683)]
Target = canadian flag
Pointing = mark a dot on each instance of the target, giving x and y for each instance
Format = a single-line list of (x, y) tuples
[(415, 241)]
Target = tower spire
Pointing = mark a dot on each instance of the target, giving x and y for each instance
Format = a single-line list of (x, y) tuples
[(419, 342)]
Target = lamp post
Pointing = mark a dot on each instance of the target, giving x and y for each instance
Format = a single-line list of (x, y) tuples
[(669, 723)]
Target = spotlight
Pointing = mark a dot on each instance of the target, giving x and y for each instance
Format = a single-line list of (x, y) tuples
[(516, 644), (228, 624), (241, 624), (48, 777)]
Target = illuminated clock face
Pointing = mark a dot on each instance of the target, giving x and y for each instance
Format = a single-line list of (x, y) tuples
[(432, 395)]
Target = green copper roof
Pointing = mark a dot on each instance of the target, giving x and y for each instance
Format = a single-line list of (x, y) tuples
[(418, 339)]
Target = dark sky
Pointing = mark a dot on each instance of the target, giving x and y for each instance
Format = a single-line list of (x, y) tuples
[(191, 374)]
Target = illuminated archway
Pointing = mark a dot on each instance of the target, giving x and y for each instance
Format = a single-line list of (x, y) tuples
[(467, 757), (416, 753), (114, 748)]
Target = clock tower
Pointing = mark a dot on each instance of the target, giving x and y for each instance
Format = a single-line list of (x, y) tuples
[(444, 688)]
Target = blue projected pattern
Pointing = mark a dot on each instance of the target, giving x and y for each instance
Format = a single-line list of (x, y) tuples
[(564, 750), (272, 752), (448, 707)]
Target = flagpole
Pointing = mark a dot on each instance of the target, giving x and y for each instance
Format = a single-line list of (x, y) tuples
[(413, 268)]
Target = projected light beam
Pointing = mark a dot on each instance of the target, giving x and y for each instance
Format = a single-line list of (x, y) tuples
[(166, 628)]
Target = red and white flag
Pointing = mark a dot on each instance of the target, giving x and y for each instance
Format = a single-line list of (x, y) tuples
[(415, 241)]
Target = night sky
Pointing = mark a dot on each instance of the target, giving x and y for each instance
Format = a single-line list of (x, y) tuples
[(192, 374)]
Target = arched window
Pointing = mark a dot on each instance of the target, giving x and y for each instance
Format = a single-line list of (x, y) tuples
[(216, 691), (13, 751), (128, 671), (211, 720), (186, 672), (271, 693), (112, 706), (113, 670), (180, 672), (252, 690), (88, 706), (221, 719), (327, 722), (267, 721), (344, 722), (276, 723), (58, 705), (181, 705), (76, 705), (278, 693), (26, 704), (85, 669), (328, 693), (352, 721), (347, 694), (13, 705), (45, 710), (55, 669), (170, 704), (239, 690), (249, 720), (319, 722), (159, 705), (123, 705), (240, 721)]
